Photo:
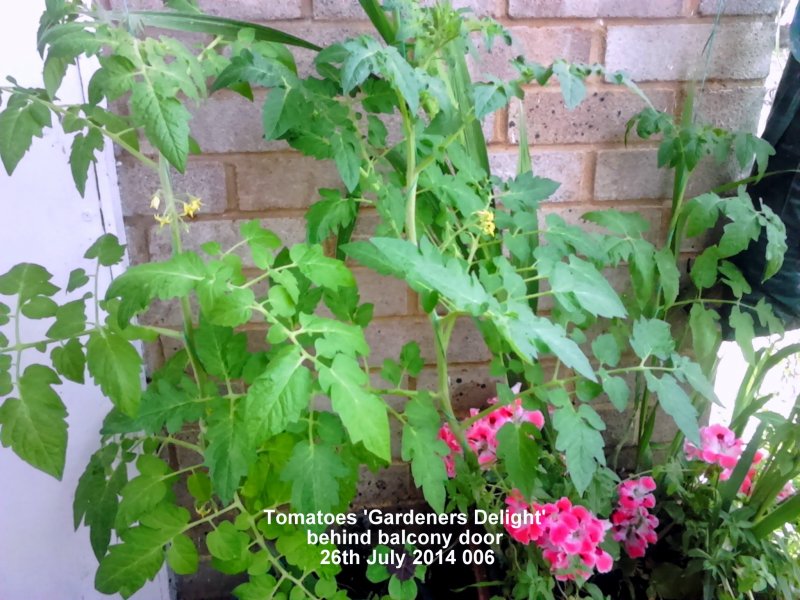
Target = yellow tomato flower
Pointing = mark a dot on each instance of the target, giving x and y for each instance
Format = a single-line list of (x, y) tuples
[(163, 219), (155, 202), (191, 208), (486, 222)]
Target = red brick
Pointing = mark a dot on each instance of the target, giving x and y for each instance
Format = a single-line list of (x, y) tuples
[(601, 117), (675, 52), (138, 184), (594, 8), (282, 180)]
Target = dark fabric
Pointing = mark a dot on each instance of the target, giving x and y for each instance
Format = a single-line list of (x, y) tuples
[(782, 194)]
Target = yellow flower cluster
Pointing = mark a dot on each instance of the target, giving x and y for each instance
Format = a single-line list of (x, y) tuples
[(486, 222)]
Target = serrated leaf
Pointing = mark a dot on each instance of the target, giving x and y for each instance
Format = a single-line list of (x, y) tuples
[(34, 425), (423, 448), (261, 242), (519, 454), (129, 565), (140, 284), (532, 335), (229, 453), (182, 555), (115, 366), (526, 191), (165, 405), (617, 391), (227, 543), (628, 224), (363, 413), (314, 472), (669, 276), (329, 215), (606, 349), (652, 337), (334, 337), (279, 395), (705, 333), (70, 320), (69, 360), (27, 280), (255, 68), (321, 270), (582, 445), (92, 484), (572, 87), (107, 250), (82, 156), (581, 280), (77, 279), (676, 403), (39, 307), (744, 332), (101, 508), (139, 496), (21, 121), (165, 122)]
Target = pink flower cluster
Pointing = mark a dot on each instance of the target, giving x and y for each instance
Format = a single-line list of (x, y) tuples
[(632, 523), (569, 536), (482, 434), (720, 446)]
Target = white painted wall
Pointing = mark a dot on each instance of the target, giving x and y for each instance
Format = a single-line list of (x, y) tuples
[(44, 220)]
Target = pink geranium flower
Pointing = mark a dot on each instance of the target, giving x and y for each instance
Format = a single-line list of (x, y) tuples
[(632, 524), (568, 535), (481, 436)]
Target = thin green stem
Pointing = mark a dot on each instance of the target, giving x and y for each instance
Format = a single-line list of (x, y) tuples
[(168, 439), (177, 248), (411, 173)]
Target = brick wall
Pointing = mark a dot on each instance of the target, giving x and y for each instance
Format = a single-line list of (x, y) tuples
[(659, 42)]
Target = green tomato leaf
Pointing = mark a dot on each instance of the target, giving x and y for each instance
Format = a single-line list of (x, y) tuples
[(330, 215), (652, 337), (82, 156), (26, 280), (165, 122), (363, 413), (129, 565), (314, 472), (107, 250), (69, 360), (115, 366), (519, 454), (323, 271), (279, 395), (34, 425), (606, 349), (581, 280), (70, 320), (229, 453), (676, 403), (140, 284), (182, 555), (581, 443), (21, 121), (423, 448), (617, 391)]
